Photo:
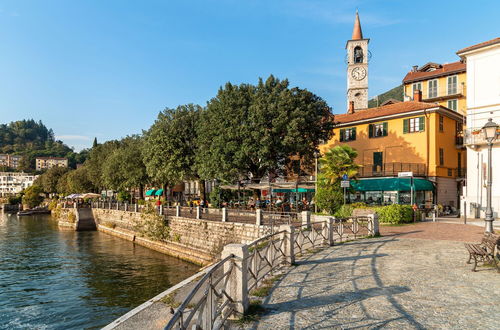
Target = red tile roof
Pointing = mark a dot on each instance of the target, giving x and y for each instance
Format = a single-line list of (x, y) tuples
[(386, 110), (480, 45), (446, 69)]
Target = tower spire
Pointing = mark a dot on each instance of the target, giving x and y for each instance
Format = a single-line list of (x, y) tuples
[(357, 34)]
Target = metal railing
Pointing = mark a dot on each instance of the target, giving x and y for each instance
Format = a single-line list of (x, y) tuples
[(214, 306), (392, 169), (224, 289)]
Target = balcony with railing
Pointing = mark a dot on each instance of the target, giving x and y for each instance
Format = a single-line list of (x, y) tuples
[(474, 136), (443, 93), (391, 169)]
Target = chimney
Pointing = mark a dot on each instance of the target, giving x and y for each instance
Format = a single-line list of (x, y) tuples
[(417, 96), (414, 68), (351, 107)]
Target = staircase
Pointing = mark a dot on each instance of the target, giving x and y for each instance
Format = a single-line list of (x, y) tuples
[(85, 220)]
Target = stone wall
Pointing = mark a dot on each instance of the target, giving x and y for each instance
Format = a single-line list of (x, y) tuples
[(198, 241)]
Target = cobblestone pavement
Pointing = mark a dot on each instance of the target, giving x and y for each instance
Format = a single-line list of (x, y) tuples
[(388, 282)]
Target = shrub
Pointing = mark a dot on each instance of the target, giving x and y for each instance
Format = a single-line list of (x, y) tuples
[(345, 211), (14, 200), (329, 199), (53, 204), (33, 196), (395, 214)]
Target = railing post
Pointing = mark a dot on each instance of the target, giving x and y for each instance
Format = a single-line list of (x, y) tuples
[(178, 211), (328, 231), (288, 237), (306, 219), (373, 225), (136, 208), (224, 214), (64, 205), (258, 217), (117, 205), (237, 284), (198, 212), (126, 207), (75, 205), (161, 209), (110, 205)]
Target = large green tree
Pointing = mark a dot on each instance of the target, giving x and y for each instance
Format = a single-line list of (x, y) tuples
[(97, 160), (124, 168), (249, 131), (171, 146), (48, 181)]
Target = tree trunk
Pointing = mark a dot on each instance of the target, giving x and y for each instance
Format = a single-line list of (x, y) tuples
[(201, 188), (141, 191)]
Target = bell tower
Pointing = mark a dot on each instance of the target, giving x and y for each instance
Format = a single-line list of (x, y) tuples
[(357, 67)]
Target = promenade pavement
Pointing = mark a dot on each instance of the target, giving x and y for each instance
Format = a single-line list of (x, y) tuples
[(414, 277)]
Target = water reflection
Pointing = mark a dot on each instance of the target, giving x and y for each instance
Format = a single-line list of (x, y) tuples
[(53, 279)]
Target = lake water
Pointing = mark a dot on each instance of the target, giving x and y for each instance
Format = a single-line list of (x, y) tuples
[(52, 279)]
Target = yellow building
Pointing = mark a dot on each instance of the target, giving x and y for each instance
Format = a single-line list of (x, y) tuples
[(410, 136), (443, 84), (43, 163)]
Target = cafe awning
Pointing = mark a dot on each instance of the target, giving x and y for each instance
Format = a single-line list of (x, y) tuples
[(159, 192), (391, 184), (150, 192), (300, 190)]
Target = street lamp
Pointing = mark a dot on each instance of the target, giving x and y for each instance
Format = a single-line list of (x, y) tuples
[(316, 156), (490, 134)]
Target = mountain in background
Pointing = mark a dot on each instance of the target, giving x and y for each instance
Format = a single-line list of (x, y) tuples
[(396, 93), (32, 139)]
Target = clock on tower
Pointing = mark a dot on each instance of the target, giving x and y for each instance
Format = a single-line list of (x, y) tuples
[(357, 67)]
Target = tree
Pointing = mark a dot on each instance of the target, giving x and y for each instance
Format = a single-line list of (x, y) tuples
[(96, 161), (337, 162), (124, 168), (171, 146), (33, 196), (250, 131), (333, 165), (95, 143), (48, 181)]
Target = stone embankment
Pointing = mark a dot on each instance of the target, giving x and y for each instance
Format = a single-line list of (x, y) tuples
[(195, 240)]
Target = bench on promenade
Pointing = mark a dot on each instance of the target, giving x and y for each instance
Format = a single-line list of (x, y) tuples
[(484, 251)]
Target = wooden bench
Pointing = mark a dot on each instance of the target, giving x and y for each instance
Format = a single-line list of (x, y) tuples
[(485, 251)]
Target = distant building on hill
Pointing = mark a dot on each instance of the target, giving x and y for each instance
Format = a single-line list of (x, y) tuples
[(12, 183), (43, 163), (11, 161)]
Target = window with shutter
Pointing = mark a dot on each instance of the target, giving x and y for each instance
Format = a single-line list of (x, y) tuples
[(370, 130), (342, 134), (385, 129), (422, 124), (406, 125)]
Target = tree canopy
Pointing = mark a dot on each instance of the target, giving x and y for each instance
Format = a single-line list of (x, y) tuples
[(248, 131), (170, 145)]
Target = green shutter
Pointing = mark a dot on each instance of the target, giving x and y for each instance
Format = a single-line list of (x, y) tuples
[(370, 130), (342, 134), (421, 124), (353, 133), (406, 125), (385, 129)]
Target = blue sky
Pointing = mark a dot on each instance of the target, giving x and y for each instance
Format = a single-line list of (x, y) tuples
[(93, 68)]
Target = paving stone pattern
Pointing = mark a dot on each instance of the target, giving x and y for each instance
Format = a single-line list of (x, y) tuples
[(390, 282)]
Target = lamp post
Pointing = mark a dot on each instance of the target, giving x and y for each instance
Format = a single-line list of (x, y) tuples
[(316, 156), (490, 133)]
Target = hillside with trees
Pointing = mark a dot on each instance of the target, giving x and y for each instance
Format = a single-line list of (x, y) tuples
[(32, 139), (396, 93)]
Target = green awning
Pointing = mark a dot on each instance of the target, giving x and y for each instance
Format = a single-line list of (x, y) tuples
[(301, 190), (150, 192), (391, 184), (159, 192)]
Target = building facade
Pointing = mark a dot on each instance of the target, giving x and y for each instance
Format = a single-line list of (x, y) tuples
[(483, 103), (43, 163), (12, 183), (413, 136), (444, 84), (10, 161)]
